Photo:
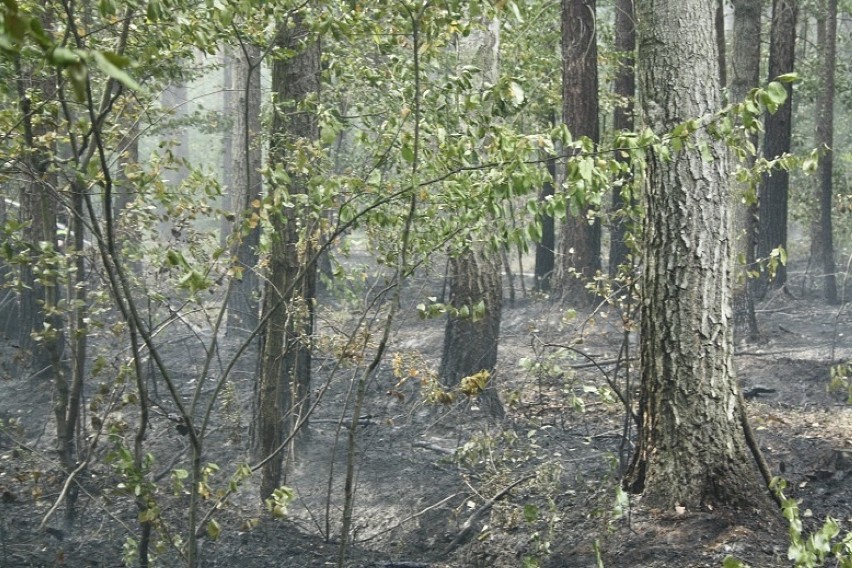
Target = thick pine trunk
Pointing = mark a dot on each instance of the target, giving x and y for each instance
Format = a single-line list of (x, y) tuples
[(773, 198), (289, 293), (470, 342), (580, 246), (692, 450), (745, 75), (625, 89)]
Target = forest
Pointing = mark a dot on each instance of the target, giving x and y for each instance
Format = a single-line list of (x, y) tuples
[(426, 283)]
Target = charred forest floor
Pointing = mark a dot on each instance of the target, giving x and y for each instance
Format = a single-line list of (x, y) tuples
[(443, 486)]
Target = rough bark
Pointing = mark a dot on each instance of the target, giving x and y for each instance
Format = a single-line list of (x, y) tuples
[(625, 89), (581, 240), (246, 186), (773, 198), (745, 75), (470, 342), (288, 304), (475, 279), (825, 139), (692, 451)]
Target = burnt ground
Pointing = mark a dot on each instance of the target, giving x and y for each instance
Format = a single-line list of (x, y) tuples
[(442, 486)]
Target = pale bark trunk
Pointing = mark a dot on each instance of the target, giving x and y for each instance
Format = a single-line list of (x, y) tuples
[(246, 186), (745, 75), (692, 450)]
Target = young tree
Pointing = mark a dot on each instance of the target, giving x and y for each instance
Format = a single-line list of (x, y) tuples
[(745, 75), (288, 301), (773, 198), (581, 237), (692, 451), (625, 87), (822, 246)]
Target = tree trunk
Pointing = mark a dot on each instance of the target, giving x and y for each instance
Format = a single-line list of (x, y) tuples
[(825, 140), (545, 258), (745, 75), (625, 90), (772, 202), (692, 450), (288, 303), (470, 341), (581, 239), (721, 45), (246, 186)]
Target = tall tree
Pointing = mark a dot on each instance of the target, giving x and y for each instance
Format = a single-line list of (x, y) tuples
[(625, 89), (692, 450), (745, 75), (246, 186), (288, 298), (827, 44), (773, 198), (545, 249), (580, 247), (476, 285)]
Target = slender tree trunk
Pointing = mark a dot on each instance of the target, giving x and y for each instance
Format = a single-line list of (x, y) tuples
[(289, 293), (692, 450), (545, 258), (773, 198), (825, 139), (246, 186), (625, 89), (745, 75), (721, 44), (580, 247)]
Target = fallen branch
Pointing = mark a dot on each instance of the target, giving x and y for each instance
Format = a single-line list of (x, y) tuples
[(467, 528)]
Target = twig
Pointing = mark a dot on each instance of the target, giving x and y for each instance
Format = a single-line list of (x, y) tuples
[(62, 494), (410, 518), (467, 528)]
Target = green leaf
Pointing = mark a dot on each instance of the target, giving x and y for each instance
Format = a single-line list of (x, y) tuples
[(213, 530), (787, 78), (731, 562), (62, 57), (110, 68), (530, 513), (407, 153)]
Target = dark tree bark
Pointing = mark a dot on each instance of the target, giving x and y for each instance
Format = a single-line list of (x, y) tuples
[(745, 75), (825, 140), (625, 89), (721, 45), (246, 186), (545, 251), (773, 199), (288, 303), (580, 247), (470, 342), (692, 450)]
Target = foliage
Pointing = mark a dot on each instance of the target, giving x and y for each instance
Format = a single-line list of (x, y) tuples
[(826, 546)]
